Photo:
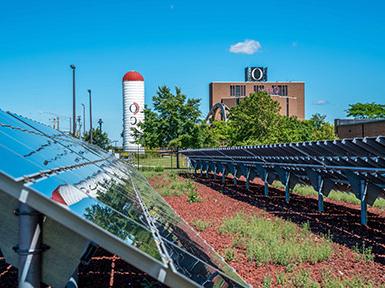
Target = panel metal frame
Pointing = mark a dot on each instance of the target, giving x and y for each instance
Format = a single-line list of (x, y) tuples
[(358, 164)]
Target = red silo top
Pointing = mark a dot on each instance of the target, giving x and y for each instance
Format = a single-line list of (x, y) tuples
[(133, 76)]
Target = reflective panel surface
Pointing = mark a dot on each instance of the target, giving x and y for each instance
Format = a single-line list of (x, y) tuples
[(109, 193)]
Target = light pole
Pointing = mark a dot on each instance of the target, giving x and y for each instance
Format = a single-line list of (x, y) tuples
[(84, 119), (100, 122), (90, 97), (80, 126), (73, 67)]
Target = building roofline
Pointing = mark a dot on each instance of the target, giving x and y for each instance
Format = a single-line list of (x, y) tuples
[(348, 122), (255, 82)]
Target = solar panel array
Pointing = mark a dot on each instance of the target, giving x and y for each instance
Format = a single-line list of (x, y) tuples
[(357, 164), (106, 201)]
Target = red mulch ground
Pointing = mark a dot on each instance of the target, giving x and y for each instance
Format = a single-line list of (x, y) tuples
[(341, 219)]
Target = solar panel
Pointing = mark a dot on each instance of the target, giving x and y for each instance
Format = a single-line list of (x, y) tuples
[(101, 199), (358, 163)]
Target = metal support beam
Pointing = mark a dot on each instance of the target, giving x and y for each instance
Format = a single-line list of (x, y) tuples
[(287, 188), (360, 189), (30, 246), (248, 178), (364, 205), (235, 181), (266, 184), (224, 175), (320, 194), (215, 171)]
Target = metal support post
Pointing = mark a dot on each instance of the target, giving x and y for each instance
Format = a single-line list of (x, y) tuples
[(30, 246), (287, 188), (235, 176), (266, 185), (320, 185), (248, 178), (224, 176), (364, 205)]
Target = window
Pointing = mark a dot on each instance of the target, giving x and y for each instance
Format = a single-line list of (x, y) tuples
[(258, 88), (237, 90), (280, 90)]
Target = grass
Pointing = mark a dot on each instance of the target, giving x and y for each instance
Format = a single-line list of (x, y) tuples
[(151, 160), (275, 241), (172, 185), (201, 225), (364, 253), (305, 190), (267, 282), (229, 254), (302, 278)]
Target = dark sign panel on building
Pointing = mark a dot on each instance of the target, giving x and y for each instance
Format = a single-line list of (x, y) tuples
[(256, 74)]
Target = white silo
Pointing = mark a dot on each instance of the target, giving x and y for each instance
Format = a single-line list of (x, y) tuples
[(133, 105)]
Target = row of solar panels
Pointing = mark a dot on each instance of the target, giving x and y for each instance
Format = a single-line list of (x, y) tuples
[(89, 196), (358, 164)]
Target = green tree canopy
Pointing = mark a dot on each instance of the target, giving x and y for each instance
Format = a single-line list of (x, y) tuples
[(174, 121), (366, 110), (256, 120), (99, 138)]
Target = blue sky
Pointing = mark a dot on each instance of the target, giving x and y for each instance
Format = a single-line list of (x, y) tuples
[(336, 47)]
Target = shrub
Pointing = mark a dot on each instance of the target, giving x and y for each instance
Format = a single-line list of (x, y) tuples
[(229, 254), (201, 225), (267, 281), (193, 196), (364, 253)]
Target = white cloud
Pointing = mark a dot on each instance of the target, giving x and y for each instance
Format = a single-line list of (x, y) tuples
[(246, 47), (321, 102)]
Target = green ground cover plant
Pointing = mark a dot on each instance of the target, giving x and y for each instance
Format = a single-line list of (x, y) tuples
[(275, 241), (306, 190), (201, 225), (302, 278)]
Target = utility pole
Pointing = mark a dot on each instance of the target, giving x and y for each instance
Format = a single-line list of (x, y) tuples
[(90, 97), (73, 67), (84, 119)]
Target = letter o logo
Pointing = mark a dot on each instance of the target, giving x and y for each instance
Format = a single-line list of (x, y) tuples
[(134, 108)]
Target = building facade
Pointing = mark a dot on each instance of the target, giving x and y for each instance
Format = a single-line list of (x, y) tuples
[(351, 128), (289, 95)]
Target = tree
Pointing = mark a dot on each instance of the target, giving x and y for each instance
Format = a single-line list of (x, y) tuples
[(256, 120), (253, 121), (318, 120), (366, 110), (99, 138), (218, 134), (173, 123)]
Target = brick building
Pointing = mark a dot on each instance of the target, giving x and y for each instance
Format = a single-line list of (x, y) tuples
[(350, 128), (290, 95)]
